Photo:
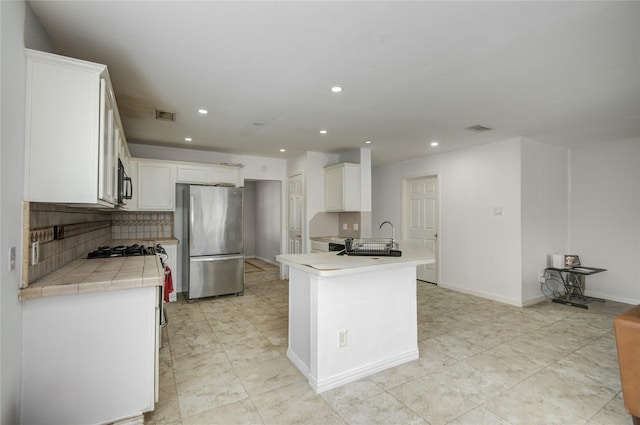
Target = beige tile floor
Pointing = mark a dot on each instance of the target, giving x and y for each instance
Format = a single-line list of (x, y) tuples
[(481, 362)]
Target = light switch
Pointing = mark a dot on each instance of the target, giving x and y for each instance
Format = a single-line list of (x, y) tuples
[(12, 258), (355, 226)]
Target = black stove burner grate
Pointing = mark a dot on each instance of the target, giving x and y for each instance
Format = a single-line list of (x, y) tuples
[(122, 251)]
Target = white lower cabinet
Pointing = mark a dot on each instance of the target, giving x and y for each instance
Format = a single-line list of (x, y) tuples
[(89, 358)]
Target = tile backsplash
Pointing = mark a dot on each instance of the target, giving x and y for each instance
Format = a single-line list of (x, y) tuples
[(82, 231), (68, 233), (342, 224), (141, 225)]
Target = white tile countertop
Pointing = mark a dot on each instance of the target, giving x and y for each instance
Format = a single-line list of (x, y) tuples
[(97, 275)]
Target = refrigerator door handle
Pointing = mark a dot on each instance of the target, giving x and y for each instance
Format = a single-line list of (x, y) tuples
[(218, 258), (191, 220)]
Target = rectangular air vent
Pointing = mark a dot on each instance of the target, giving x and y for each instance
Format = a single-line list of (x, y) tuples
[(478, 128), (165, 116)]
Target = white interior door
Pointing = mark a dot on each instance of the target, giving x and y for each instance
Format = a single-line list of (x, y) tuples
[(422, 220), (295, 204)]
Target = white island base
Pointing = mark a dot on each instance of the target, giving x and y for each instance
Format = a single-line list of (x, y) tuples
[(351, 319)]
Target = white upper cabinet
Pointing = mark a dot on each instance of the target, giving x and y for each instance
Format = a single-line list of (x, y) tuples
[(155, 181), (108, 154), (156, 186), (342, 187), (207, 174), (72, 130), (196, 174), (222, 174)]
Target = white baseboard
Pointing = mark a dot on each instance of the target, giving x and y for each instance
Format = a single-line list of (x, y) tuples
[(134, 420), (610, 298), (275, 263), (531, 300), (335, 381), (482, 294), (297, 362)]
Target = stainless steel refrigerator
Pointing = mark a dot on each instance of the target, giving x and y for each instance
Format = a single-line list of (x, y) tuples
[(214, 251)]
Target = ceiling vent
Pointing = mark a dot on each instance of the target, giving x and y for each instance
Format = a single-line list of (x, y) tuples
[(478, 128), (165, 116)]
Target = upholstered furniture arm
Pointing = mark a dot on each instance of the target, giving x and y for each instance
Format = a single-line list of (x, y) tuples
[(627, 330)]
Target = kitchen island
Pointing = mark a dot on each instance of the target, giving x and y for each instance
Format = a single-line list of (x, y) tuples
[(352, 316)]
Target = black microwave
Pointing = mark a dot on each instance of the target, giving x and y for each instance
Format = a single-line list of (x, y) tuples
[(125, 185)]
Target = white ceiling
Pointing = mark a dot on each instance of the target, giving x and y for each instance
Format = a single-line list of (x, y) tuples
[(563, 73)]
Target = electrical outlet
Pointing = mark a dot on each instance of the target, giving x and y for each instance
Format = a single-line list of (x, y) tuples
[(342, 338), (345, 226), (541, 277), (35, 253), (355, 226)]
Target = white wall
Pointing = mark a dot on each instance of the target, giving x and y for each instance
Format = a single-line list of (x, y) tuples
[(268, 220), (314, 181), (479, 251), (249, 218), (262, 219), (585, 201), (311, 165), (545, 214), (604, 218), (18, 28)]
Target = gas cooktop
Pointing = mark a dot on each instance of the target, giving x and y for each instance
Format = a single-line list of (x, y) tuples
[(122, 251)]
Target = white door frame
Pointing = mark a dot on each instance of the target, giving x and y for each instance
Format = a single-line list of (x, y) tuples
[(300, 216), (405, 225)]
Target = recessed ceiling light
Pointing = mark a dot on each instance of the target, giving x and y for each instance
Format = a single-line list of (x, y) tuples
[(336, 89), (188, 139), (283, 150), (323, 131), (203, 111), (434, 143), (368, 142)]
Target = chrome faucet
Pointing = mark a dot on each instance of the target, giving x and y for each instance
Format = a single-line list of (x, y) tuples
[(394, 244)]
